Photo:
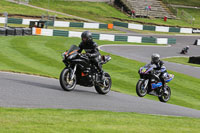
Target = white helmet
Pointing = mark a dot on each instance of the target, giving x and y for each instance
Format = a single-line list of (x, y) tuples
[(155, 58)]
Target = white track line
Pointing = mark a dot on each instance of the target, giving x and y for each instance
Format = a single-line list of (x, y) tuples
[(130, 45), (25, 74)]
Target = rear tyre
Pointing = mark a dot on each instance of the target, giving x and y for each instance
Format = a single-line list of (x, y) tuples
[(165, 97), (65, 82), (104, 89), (140, 90)]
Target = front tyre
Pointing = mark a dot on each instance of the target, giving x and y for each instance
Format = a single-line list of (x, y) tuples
[(105, 88), (66, 83), (140, 90), (165, 97)]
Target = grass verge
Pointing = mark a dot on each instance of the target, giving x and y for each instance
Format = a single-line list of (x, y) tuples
[(181, 60), (194, 3), (97, 11), (12, 8), (41, 55), (59, 120), (103, 12)]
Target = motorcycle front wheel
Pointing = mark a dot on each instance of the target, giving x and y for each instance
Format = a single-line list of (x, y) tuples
[(105, 88), (66, 83), (165, 97), (140, 90)]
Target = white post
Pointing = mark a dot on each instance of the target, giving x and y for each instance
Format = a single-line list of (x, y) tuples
[(6, 19)]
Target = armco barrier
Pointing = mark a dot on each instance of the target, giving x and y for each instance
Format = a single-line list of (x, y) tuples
[(197, 42), (153, 28), (58, 23), (115, 23), (14, 21), (171, 41), (109, 37), (60, 33)]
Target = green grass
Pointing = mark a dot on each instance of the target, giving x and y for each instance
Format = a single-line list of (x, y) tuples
[(103, 12), (186, 2), (181, 60), (59, 120), (194, 13), (100, 12), (41, 55), (12, 8), (169, 22)]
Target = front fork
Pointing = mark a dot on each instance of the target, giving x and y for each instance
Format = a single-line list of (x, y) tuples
[(146, 83), (73, 72)]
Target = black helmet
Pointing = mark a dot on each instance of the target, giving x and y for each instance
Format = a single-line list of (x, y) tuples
[(86, 36), (155, 58)]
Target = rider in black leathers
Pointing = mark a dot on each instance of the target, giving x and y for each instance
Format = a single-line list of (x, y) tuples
[(185, 50), (91, 49), (160, 68)]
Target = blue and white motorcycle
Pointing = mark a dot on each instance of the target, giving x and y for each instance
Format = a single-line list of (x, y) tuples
[(150, 83)]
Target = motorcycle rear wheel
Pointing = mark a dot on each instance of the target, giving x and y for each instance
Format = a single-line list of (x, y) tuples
[(101, 89), (164, 98), (65, 82), (140, 90)]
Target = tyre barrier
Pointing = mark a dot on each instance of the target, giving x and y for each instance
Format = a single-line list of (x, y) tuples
[(10, 31), (2, 32), (27, 31), (194, 60), (19, 31), (15, 31)]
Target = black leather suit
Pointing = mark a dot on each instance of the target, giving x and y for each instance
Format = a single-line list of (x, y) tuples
[(92, 48)]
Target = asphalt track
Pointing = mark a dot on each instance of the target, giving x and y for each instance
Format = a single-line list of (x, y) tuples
[(20, 90)]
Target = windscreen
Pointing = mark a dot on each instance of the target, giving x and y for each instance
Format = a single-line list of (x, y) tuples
[(72, 48)]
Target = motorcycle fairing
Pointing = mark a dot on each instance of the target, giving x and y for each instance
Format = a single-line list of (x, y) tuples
[(154, 85), (170, 77)]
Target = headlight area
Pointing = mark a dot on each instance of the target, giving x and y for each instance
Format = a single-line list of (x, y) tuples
[(63, 56)]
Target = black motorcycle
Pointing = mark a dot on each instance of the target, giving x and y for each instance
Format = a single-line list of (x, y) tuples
[(184, 51), (80, 70)]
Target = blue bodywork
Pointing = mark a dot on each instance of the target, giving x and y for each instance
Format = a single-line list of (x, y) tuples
[(154, 85), (169, 80), (170, 77)]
